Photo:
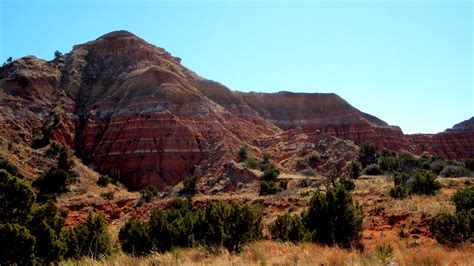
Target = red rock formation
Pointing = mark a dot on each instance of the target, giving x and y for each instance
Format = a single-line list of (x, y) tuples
[(124, 103)]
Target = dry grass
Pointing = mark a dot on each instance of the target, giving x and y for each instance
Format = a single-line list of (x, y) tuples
[(273, 253)]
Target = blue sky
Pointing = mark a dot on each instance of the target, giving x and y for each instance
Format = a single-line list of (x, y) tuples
[(409, 63)]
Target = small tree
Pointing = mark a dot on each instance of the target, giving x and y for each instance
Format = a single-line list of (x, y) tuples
[(17, 198), (9, 59), (91, 238), (367, 154), (135, 238), (287, 228), (242, 152), (57, 54), (332, 218), (46, 225), (463, 199), (103, 180), (16, 245), (149, 193), (189, 185), (354, 169)]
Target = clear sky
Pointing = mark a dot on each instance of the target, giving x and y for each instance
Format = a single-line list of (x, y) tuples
[(409, 63)]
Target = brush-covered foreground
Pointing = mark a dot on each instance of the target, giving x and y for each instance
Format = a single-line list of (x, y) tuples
[(394, 231), (275, 253)]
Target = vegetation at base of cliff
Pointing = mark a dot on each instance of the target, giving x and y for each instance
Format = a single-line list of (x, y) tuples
[(49, 127), (455, 229), (56, 180), (219, 224), (422, 182), (189, 185), (268, 181), (31, 232)]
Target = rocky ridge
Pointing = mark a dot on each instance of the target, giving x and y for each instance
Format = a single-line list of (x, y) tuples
[(123, 103)]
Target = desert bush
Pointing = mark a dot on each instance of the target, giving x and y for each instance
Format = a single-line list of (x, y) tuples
[(283, 184), (269, 188), (347, 183), (45, 225), (251, 162), (437, 166), (17, 198), (463, 199), (453, 229), (16, 245), (308, 172), (407, 163), (57, 54), (9, 167), (114, 173), (390, 163), (230, 225), (354, 169), (453, 171), (468, 164), (265, 162), (423, 182), (287, 228), (373, 169), (313, 159), (332, 218), (270, 173), (399, 192), (109, 195), (134, 237), (51, 184), (149, 193), (367, 154), (91, 238), (104, 180), (242, 153), (189, 185)]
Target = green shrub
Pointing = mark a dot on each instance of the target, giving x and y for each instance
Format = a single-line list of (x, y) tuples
[(407, 163), (372, 169), (9, 167), (109, 195), (332, 218), (287, 228), (51, 184), (230, 225), (16, 245), (421, 182), (189, 185), (269, 188), (463, 199), (437, 166), (313, 159), (354, 169), (399, 192), (367, 154), (17, 198), (89, 239), (251, 162), (270, 173), (114, 173), (242, 153), (104, 180), (308, 172), (265, 162), (45, 225), (346, 183), (64, 163), (390, 163), (134, 237), (453, 229), (453, 171), (149, 193), (424, 182), (468, 164)]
